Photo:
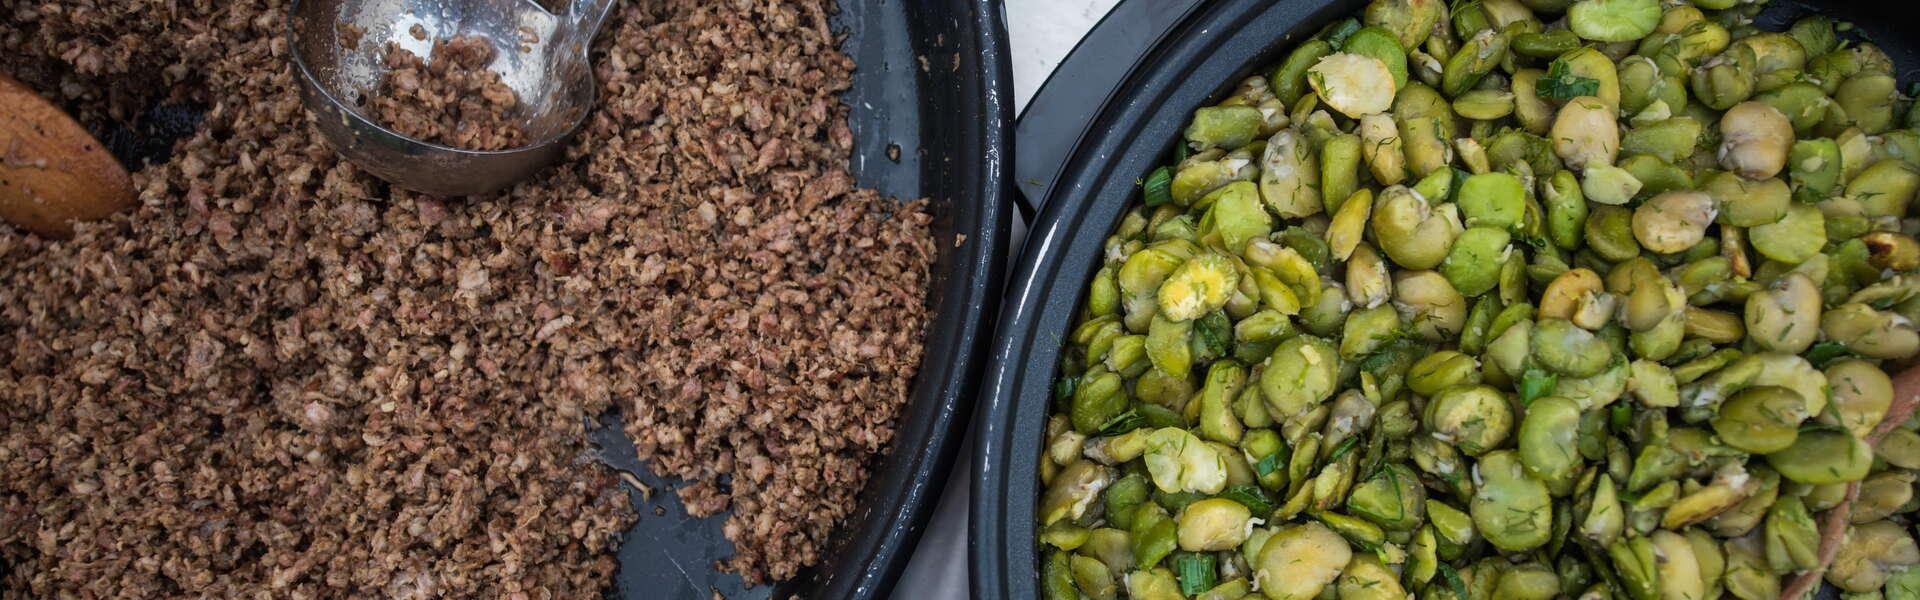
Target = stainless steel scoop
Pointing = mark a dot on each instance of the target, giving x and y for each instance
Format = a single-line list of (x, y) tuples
[(541, 54)]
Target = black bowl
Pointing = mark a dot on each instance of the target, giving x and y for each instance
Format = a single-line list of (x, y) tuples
[(1130, 97)]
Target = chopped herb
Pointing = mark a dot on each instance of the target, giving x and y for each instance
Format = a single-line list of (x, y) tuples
[(1267, 465), (1123, 422), (1561, 84), (1252, 497), (1534, 383), (1158, 189), (1196, 572)]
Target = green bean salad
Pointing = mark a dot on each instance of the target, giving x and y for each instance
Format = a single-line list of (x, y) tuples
[(1510, 300)]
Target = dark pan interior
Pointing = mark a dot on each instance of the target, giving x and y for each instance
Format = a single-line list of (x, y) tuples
[(929, 119), (1087, 168)]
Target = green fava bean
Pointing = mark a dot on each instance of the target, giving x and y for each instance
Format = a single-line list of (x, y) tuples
[(1354, 84), (1169, 346), (1778, 59), (1531, 581), (1441, 370), (1608, 184), (1566, 209), (1155, 584), (1227, 127), (1792, 538), (1473, 61), (1236, 216), (1340, 170), (1473, 264), (1814, 33), (1761, 419), (1754, 139), (1179, 461), (1534, 114), (1885, 188), (1412, 232), (1655, 176), (1668, 139), (1474, 418), (1567, 349), (1547, 443), (1673, 221), (1492, 200), (1484, 105), (1380, 44), (1410, 21), (1823, 456), (1299, 561), (1098, 399), (1366, 578), (1869, 332), (1585, 133), (1867, 100), (1289, 176), (1545, 44), (1726, 79), (1870, 555), (1299, 376), (1289, 80), (1510, 508), (1785, 317), (1746, 202), (1794, 238), (1861, 395), (1392, 498), (1197, 178), (1804, 104), (1426, 126), (1072, 490), (1200, 286), (1609, 232), (1212, 524), (1613, 20), (1367, 330), (1382, 148), (1429, 304)]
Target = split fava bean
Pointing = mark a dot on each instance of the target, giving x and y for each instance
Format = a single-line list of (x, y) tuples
[(1534, 318)]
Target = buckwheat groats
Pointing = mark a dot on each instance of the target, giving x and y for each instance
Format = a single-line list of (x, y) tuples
[(449, 98)]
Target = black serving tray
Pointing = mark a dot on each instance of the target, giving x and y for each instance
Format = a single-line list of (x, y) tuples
[(931, 118)]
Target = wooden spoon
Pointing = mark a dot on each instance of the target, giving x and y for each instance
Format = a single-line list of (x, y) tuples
[(52, 172)]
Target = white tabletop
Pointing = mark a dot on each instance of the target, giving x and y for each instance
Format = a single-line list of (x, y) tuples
[(1041, 32)]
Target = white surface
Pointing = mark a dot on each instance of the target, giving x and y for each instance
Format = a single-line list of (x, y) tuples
[(1041, 32)]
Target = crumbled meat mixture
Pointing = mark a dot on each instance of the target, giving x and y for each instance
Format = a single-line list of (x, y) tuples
[(278, 377), (451, 98)]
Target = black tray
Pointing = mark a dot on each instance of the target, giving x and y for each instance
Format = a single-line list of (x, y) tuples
[(1107, 116), (930, 89)]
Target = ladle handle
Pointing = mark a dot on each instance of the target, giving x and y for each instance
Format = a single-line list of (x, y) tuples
[(588, 16)]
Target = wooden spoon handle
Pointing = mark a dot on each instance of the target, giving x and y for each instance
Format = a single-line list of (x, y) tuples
[(52, 172)]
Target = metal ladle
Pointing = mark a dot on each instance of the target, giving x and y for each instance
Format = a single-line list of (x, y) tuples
[(541, 54)]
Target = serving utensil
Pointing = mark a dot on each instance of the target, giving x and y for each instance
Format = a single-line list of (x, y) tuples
[(339, 45)]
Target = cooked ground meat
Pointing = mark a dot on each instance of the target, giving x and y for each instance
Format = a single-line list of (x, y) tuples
[(451, 98), (280, 377)]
